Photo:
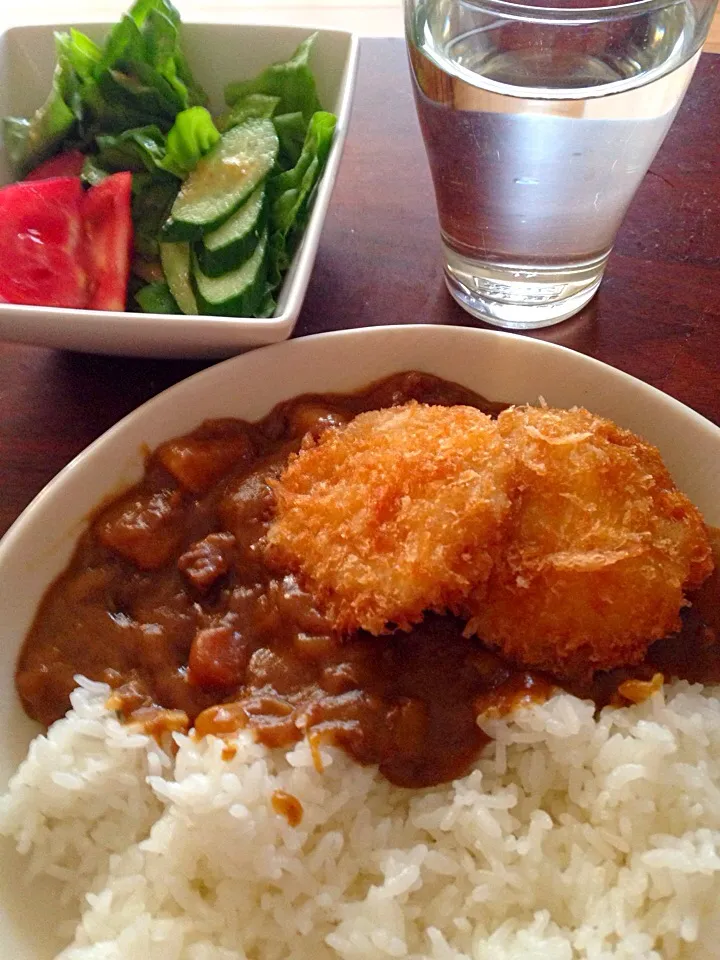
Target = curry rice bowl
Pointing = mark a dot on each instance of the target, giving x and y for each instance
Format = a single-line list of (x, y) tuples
[(575, 835)]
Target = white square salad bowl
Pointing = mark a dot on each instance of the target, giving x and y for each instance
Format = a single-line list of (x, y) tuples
[(218, 53)]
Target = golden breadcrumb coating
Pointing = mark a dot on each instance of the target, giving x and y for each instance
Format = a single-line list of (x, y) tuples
[(397, 513), (601, 546)]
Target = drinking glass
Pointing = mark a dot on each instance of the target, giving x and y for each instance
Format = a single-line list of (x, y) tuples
[(539, 124)]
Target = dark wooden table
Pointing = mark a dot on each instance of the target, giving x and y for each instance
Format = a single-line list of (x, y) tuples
[(657, 314)]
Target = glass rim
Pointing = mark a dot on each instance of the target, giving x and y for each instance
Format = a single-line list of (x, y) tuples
[(573, 13)]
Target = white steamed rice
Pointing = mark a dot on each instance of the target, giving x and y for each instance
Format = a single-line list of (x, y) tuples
[(573, 837)]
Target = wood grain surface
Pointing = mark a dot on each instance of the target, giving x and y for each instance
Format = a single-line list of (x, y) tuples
[(657, 314)]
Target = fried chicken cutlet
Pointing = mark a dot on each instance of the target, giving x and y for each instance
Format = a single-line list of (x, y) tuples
[(397, 513), (600, 547)]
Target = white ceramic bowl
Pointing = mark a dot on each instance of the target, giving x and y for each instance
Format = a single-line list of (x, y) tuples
[(501, 366), (218, 53)]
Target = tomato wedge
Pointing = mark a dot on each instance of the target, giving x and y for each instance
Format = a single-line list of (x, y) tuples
[(42, 243), (108, 232), (68, 164)]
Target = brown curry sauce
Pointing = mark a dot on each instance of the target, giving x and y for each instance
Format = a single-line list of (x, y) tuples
[(168, 599)]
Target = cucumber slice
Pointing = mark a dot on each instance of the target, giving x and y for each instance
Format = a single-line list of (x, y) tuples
[(233, 242), (222, 180), (240, 292), (175, 259)]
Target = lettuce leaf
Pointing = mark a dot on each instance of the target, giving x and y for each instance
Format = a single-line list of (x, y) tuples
[(258, 105), (142, 148), (156, 298), (290, 190), (292, 81), (291, 129), (142, 65), (191, 136), (80, 57), (153, 197), (30, 141), (290, 193), (142, 151), (82, 53), (93, 174), (139, 77)]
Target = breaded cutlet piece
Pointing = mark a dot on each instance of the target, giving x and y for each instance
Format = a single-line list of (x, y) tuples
[(601, 546), (397, 513)]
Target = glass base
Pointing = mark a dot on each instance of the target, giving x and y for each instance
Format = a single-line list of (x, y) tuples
[(521, 297)]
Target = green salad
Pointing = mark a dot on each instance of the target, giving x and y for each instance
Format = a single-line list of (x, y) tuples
[(219, 202)]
